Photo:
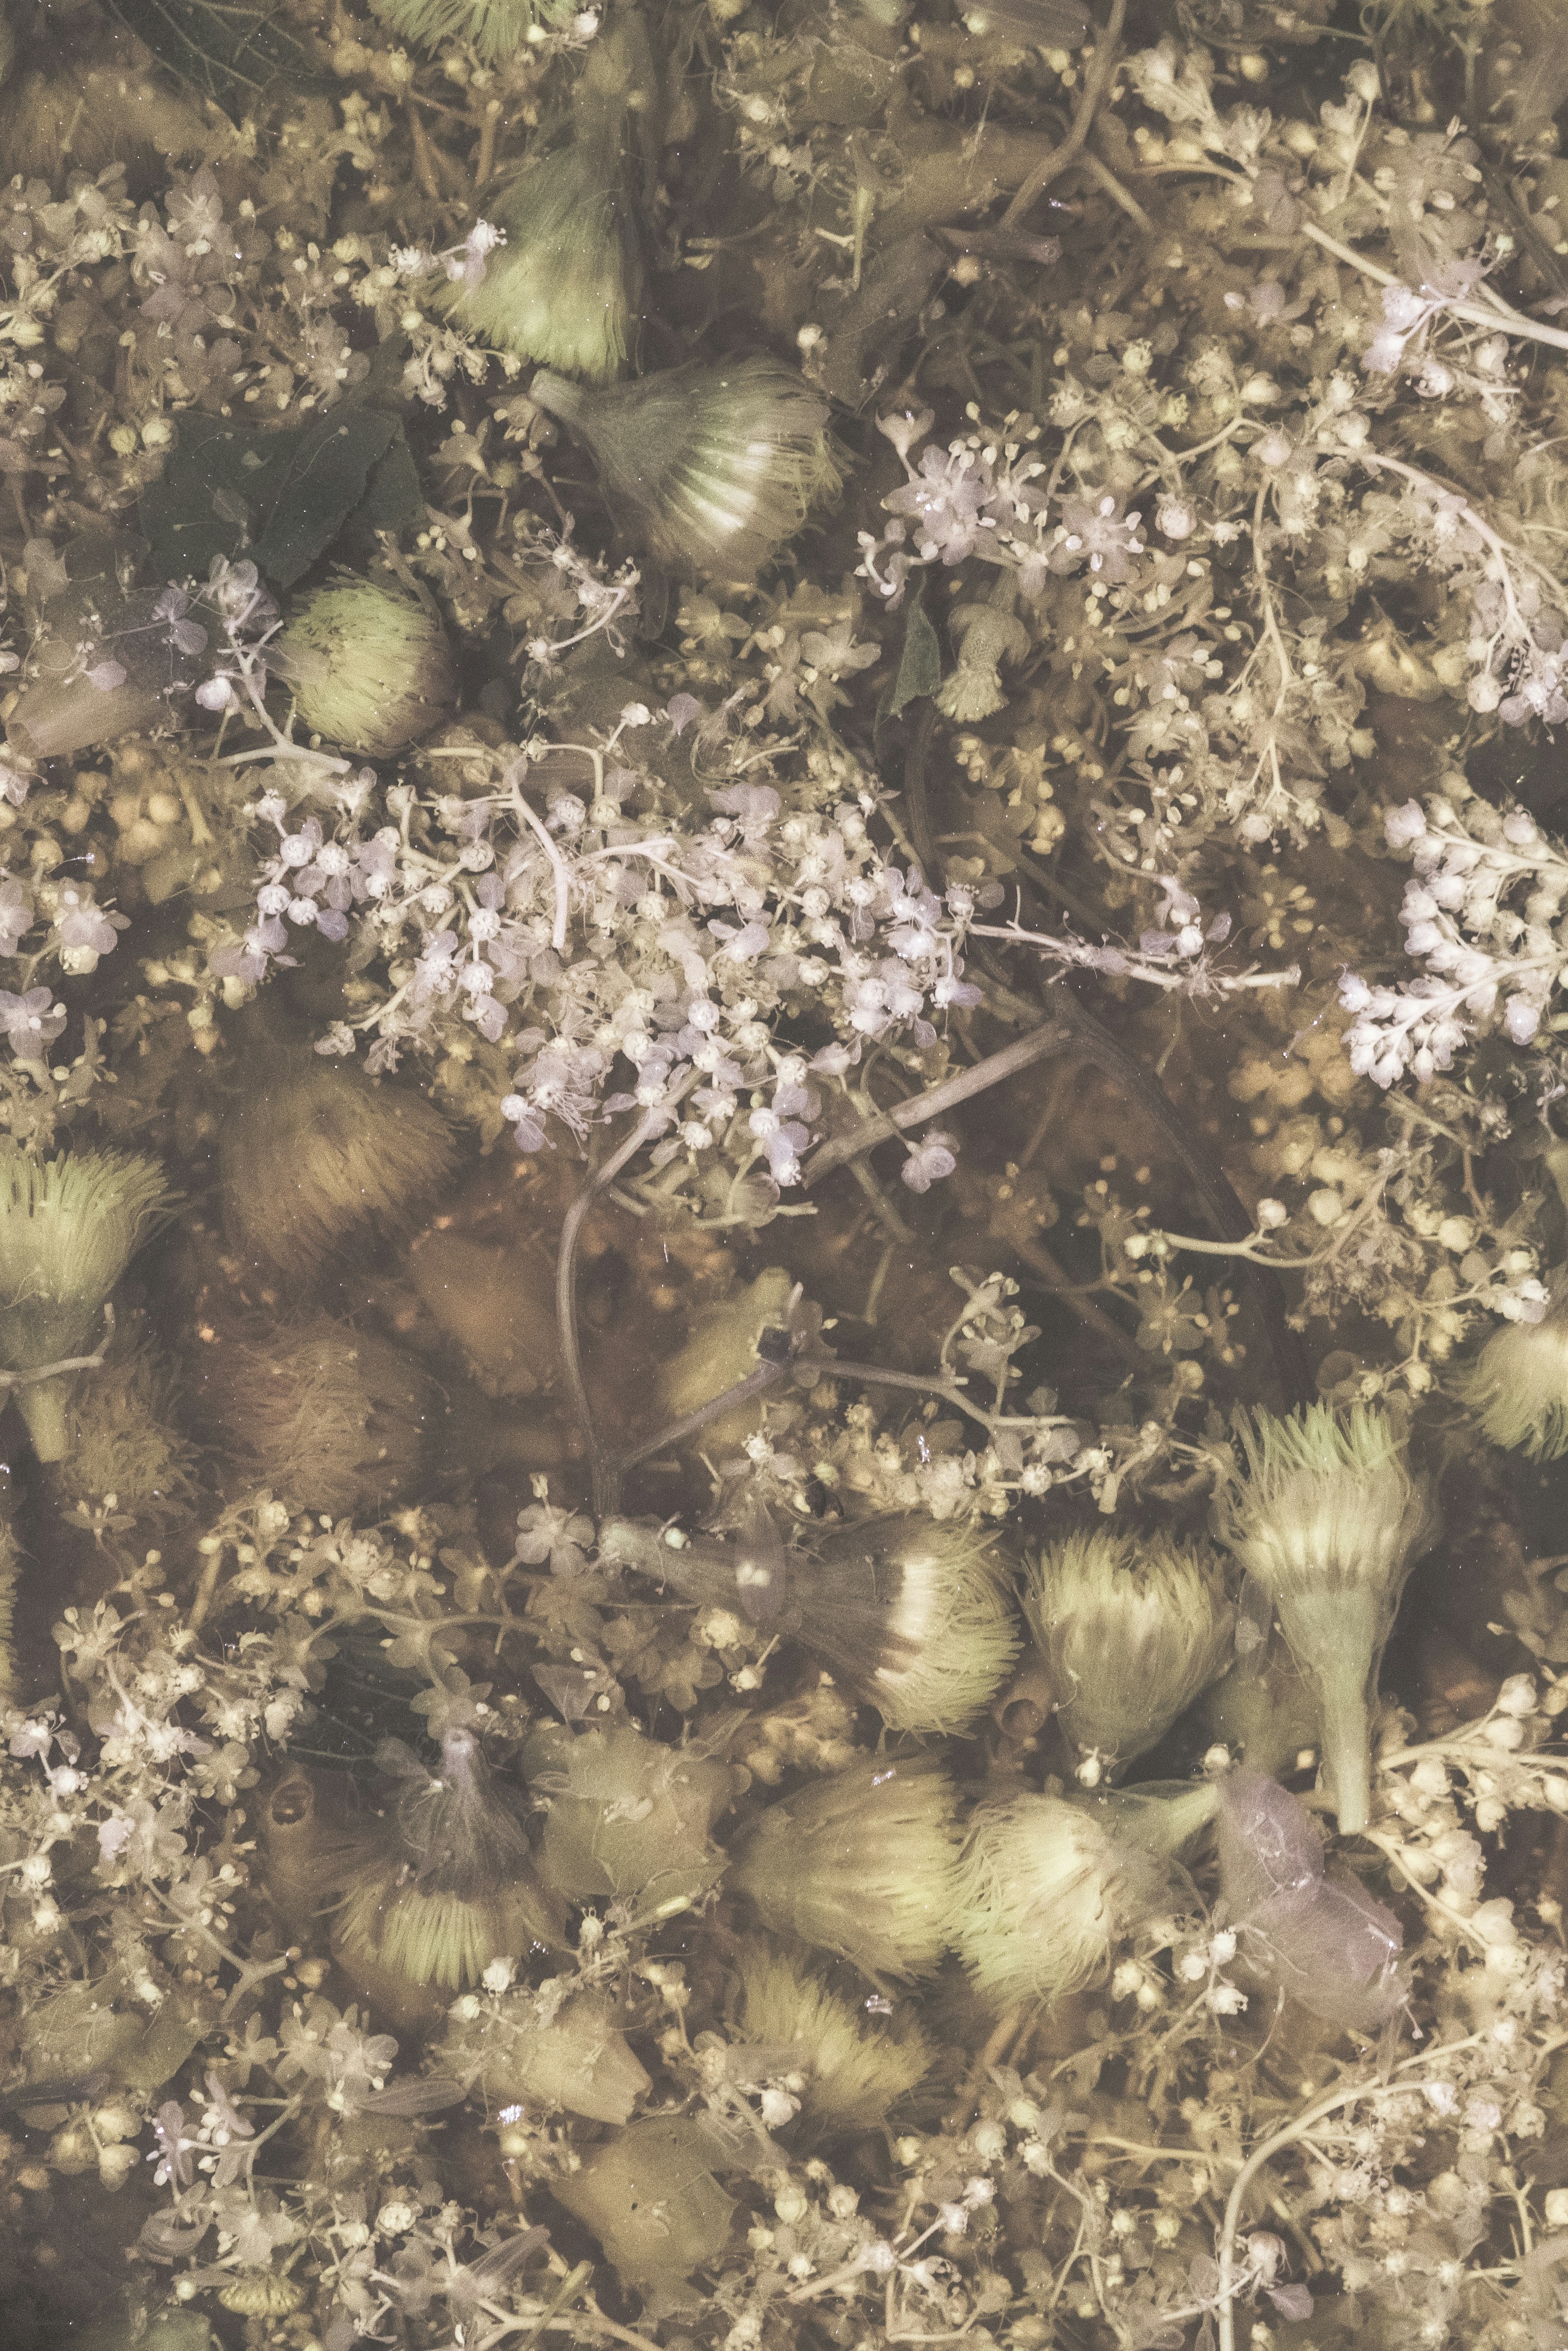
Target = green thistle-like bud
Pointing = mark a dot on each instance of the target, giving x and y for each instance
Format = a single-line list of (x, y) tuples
[(1518, 1386), (331, 1419), (529, 2048), (565, 285), (124, 1441), (709, 468), (68, 1228), (371, 667), (1329, 1520), (1047, 1886), (494, 28), (1132, 1628), (628, 1818), (452, 1886), (315, 1155), (652, 2200), (910, 1613), (789, 2027), (861, 1865)]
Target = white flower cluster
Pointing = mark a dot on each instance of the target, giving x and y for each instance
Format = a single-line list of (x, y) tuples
[(1484, 915)]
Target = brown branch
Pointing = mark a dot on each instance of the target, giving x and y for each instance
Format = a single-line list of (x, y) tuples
[(1107, 49)]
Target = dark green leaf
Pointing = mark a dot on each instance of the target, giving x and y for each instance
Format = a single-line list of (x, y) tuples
[(920, 663), (224, 52), (279, 497), (394, 501)]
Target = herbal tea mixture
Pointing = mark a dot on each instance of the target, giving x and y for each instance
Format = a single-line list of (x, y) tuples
[(784, 1202)]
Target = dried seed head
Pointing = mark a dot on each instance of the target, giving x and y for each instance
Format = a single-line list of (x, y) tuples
[(787, 2023)]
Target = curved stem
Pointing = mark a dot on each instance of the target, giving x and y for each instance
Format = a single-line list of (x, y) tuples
[(604, 1471)]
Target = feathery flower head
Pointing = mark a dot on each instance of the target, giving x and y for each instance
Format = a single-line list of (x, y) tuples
[(1328, 1519), (1518, 1386), (709, 468), (494, 28), (1047, 1886), (906, 1611), (788, 2023), (314, 1153), (371, 667), (454, 1888), (861, 1865), (564, 287), (68, 1228), (1132, 1627), (331, 1419)]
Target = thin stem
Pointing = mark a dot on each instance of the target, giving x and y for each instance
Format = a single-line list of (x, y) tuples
[(558, 869), (1050, 1036), (1291, 2133), (764, 1376), (1107, 49), (869, 1374), (604, 1473)]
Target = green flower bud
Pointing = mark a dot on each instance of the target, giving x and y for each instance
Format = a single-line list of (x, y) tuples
[(1329, 1520), (909, 1614), (124, 1441), (527, 2048), (1132, 1628), (1048, 1885), (1518, 1384), (861, 1865), (451, 1885), (331, 1419), (652, 2200), (494, 28), (314, 1155), (68, 1228), (709, 468), (564, 288), (628, 1818), (371, 667), (788, 2026)]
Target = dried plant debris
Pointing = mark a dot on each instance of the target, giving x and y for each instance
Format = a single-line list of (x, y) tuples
[(784, 909)]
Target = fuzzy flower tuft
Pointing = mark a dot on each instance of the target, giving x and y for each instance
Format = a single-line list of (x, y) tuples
[(711, 468), (68, 1228), (1518, 1386), (861, 1865), (1132, 1628), (370, 668), (1047, 1886), (1329, 1521)]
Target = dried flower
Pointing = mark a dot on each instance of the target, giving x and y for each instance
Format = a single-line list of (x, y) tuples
[(452, 1886), (627, 1818), (861, 1864), (1132, 1628), (1047, 1886), (565, 285), (68, 1228), (1518, 1384), (329, 1418), (711, 469), (371, 667), (1329, 1520), (788, 2024), (313, 1154)]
